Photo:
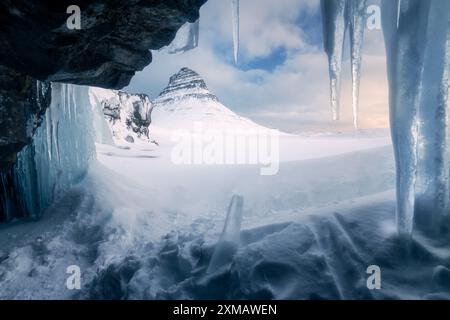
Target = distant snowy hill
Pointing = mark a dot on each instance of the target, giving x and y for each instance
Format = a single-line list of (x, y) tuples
[(187, 100)]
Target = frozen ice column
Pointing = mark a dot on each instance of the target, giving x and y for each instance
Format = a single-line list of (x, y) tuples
[(357, 23), (416, 36), (334, 26), (235, 21), (229, 240), (432, 185)]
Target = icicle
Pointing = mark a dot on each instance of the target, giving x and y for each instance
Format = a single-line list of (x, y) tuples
[(186, 38), (47, 128), (61, 149), (235, 21), (337, 15), (356, 11), (432, 183), (229, 240), (417, 56), (334, 26)]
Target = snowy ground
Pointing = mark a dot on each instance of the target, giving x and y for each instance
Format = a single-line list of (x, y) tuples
[(139, 226)]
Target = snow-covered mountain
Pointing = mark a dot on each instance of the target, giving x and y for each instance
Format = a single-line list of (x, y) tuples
[(120, 116), (187, 100)]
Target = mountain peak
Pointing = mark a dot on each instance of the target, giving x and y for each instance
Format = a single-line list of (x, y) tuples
[(185, 71), (185, 84)]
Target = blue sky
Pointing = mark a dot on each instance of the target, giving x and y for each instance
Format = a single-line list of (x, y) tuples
[(282, 78)]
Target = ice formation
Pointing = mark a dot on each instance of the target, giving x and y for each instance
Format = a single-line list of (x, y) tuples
[(60, 152), (235, 21), (229, 240), (338, 16), (186, 38), (334, 27), (357, 10), (417, 42), (120, 116)]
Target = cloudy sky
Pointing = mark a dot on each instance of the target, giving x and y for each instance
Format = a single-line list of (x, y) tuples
[(281, 79)]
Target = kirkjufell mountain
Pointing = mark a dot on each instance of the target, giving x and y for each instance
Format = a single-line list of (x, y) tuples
[(186, 100)]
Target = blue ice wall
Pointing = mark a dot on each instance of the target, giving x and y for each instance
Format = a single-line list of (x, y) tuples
[(58, 156)]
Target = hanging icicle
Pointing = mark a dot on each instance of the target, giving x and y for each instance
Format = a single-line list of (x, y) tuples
[(235, 21), (356, 15), (338, 17)]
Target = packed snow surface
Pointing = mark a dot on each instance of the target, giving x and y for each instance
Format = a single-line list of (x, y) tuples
[(141, 227)]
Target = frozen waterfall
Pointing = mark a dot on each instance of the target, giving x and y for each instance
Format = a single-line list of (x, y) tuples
[(60, 152)]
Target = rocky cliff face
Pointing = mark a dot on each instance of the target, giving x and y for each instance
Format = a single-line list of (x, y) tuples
[(23, 101), (127, 116), (112, 44)]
